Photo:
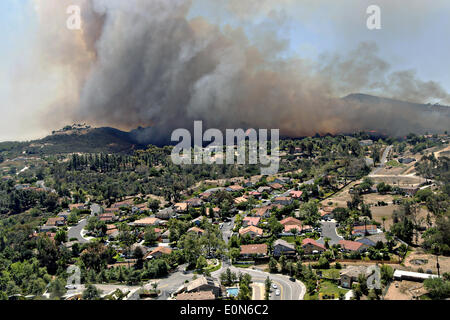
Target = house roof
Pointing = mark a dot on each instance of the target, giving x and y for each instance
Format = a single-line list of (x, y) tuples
[(235, 187), (313, 242), (147, 221), (240, 200), (196, 230), (375, 238), (252, 220), (284, 243), (350, 245), (194, 284), (181, 205), (53, 221), (275, 185), (354, 271), (359, 229), (262, 210), (163, 250), (201, 295), (282, 199), (295, 194), (254, 249), (290, 221), (254, 229)]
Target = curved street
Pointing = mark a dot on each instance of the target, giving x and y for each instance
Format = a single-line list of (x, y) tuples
[(75, 231)]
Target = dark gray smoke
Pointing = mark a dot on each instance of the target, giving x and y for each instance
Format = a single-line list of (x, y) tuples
[(151, 66)]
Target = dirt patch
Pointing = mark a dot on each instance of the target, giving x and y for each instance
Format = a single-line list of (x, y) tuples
[(405, 290), (419, 259)]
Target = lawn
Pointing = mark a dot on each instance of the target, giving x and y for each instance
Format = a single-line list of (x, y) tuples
[(394, 163), (327, 288)]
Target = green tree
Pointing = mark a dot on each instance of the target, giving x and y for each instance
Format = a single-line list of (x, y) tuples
[(91, 293)]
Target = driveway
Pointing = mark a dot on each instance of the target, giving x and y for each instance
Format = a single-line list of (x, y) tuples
[(382, 160), (227, 230), (75, 231), (329, 231)]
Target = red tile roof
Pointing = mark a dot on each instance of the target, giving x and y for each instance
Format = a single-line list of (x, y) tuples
[(350, 245), (313, 242), (254, 249)]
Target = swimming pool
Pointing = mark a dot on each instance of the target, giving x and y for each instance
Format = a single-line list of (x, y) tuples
[(233, 291)]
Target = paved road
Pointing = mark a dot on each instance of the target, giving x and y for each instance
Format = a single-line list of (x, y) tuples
[(75, 231), (227, 230), (329, 231), (382, 160), (289, 290)]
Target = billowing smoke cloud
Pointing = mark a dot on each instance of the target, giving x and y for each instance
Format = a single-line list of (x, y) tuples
[(142, 62)]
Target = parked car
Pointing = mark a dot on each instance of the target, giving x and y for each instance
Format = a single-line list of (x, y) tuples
[(274, 286), (277, 292), (70, 287)]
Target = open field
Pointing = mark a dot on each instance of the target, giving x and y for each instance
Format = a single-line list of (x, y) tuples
[(404, 290), (419, 259)]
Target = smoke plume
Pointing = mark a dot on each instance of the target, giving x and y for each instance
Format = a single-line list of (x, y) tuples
[(144, 63)]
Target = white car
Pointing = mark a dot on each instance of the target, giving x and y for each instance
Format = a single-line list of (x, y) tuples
[(277, 292), (70, 287), (274, 286)]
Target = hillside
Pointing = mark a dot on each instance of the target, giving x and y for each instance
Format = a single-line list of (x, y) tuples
[(405, 106), (89, 140)]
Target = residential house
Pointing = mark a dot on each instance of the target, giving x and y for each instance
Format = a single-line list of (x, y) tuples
[(239, 200), (326, 212), (372, 240), (362, 230), (202, 284), (295, 194), (197, 221), (201, 295), (275, 186), (250, 221), (166, 213), (312, 246), (264, 189), (64, 215), (148, 221), (248, 184), (180, 207), (411, 191), (55, 222), (126, 203), (254, 250), (281, 180), (282, 247), (205, 195), (263, 212), (107, 217), (234, 188), (350, 275), (96, 209), (300, 229), (285, 201), (78, 206), (252, 231), (194, 202), (158, 252), (255, 194), (352, 246), (196, 230), (290, 221)]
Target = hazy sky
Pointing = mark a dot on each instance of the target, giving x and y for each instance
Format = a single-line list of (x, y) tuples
[(35, 95)]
